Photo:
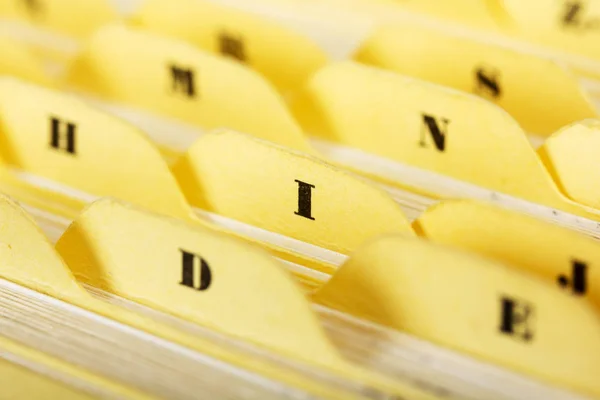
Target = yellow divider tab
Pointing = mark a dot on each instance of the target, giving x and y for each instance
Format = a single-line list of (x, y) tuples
[(205, 278), (564, 257), (570, 155), (79, 18), (572, 26), (427, 126), (473, 305), (286, 192), (111, 237), (282, 55), (28, 259), (541, 95), (193, 273), (473, 13), (17, 60), (53, 135), (94, 155), (175, 79)]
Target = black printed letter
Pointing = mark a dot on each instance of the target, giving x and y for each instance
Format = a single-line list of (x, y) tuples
[(572, 11), (33, 6), (183, 80), (437, 133), (578, 281), (304, 199), (62, 138), (187, 271), (514, 318), (232, 46), (487, 82)]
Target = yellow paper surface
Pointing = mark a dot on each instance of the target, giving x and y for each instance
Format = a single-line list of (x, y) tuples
[(285, 192), (29, 374), (20, 383), (79, 18), (566, 259), (474, 13), (570, 26), (394, 116), (224, 284), (175, 79), (17, 60), (233, 293), (109, 158), (540, 94), (56, 136), (283, 56), (570, 157), (474, 305), (431, 127), (29, 259)]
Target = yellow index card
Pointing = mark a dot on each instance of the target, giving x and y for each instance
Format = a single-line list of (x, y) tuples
[(17, 60), (567, 259), (571, 26), (472, 13), (58, 137), (30, 374), (177, 80), (427, 126), (79, 18), (28, 259), (540, 94), (474, 305), (572, 160), (286, 192), (285, 57), (23, 383), (65, 154), (193, 273), (205, 278)]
